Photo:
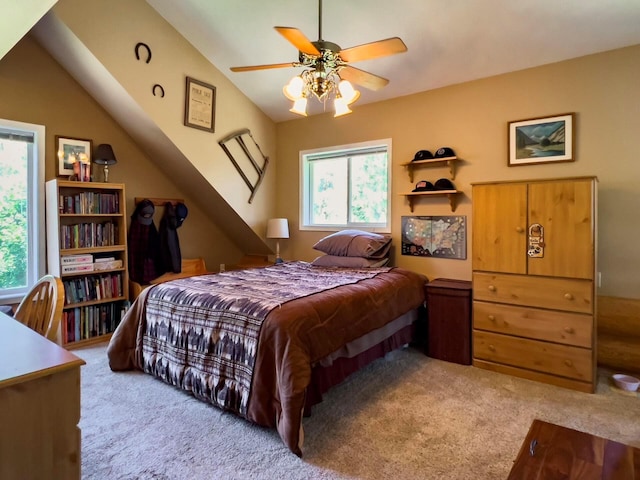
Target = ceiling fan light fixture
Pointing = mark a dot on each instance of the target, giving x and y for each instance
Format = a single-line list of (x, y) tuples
[(300, 106), (340, 106), (294, 89), (347, 92)]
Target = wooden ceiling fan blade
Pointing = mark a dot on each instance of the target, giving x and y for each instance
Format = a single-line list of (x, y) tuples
[(381, 48), (262, 67), (298, 40), (360, 77)]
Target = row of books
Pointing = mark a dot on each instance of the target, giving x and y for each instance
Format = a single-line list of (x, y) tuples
[(79, 264), (91, 288), (90, 203), (86, 235), (81, 323)]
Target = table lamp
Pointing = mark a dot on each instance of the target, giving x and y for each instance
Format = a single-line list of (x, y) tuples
[(278, 228), (104, 156)]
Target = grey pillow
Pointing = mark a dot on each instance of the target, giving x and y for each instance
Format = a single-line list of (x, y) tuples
[(355, 243), (348, 262)]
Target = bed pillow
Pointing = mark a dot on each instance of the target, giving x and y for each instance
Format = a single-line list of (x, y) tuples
[(348, 262), (355, 243)]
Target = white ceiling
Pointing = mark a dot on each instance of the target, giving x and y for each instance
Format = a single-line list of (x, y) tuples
[(449, 41)]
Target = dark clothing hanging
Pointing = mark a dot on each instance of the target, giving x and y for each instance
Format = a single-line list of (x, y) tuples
[(145, 261), (169, 242)]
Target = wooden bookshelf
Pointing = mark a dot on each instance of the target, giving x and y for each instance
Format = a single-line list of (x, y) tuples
[(87, 249)]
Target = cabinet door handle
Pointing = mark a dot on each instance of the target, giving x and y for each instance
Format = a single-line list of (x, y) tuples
[(568, 296), (568, 363), (492, 348), (520, 229), (492, 288), (492, 318), (569, 330)]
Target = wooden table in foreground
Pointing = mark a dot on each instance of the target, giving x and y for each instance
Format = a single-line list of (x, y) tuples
[(39, 406), (553, 452)]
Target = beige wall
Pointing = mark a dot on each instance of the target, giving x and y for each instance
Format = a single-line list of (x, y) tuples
[(35, 89), (89, 24), (472, 118)]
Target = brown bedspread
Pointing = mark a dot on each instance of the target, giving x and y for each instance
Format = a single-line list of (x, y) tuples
[(293, 337)]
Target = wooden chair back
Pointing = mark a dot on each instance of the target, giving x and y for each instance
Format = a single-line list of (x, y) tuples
[(41, 308)]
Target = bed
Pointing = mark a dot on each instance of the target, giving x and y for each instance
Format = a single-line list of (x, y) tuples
[(266, 343)]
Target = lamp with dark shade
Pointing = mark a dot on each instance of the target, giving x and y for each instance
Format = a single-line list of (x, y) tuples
[(278, 228), (104, 156)]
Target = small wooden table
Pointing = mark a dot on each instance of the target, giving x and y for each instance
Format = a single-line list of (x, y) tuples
[(554, 452), (39, 406)]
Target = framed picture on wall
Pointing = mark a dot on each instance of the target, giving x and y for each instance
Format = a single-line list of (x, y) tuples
[(200, 105), (72, 153), (435, 236), (541, 140)]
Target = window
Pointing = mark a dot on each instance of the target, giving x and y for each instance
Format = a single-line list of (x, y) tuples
[(22, 251), (347, 186)]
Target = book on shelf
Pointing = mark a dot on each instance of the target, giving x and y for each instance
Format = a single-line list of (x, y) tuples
[(77, 268), (76, 259), (108, 265), (104, 259)]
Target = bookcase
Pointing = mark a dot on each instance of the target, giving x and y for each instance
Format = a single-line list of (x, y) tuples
[(87, 249)]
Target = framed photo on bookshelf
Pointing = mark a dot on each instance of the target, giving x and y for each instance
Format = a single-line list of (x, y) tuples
[(72, 153)]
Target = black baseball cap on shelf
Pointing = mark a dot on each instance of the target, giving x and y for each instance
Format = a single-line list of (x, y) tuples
[(424, 186), (422, 155), (444, 152), (444, 184)]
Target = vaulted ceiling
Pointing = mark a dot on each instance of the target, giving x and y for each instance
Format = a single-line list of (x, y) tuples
[(448, 42)]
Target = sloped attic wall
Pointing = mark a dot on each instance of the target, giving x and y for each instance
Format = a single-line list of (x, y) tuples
[(95, 41), (17, 19)]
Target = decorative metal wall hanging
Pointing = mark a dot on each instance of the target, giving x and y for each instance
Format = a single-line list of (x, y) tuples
[(243, 157), (158, 87), (146, 47)]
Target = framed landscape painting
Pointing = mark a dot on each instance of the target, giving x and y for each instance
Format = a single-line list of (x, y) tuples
[(541, 140)]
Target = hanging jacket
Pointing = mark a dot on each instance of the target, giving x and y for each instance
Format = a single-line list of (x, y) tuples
[(169, 242), (145, 261)]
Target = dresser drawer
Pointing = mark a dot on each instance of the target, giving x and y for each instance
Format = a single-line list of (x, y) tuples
[(535, 323), (563, 360), (553, 293)]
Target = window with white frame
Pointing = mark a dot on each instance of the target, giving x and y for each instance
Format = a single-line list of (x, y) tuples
[(22, 237), (347, 186)]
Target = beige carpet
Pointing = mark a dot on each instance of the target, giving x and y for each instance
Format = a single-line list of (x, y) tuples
[(406, 416)]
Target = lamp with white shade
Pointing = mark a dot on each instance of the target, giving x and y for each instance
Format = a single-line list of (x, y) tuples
[(278, 228)]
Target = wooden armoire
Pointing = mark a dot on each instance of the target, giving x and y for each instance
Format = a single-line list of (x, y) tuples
[(534, 270)]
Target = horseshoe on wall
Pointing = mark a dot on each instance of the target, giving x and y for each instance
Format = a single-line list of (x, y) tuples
[(153, 90), (141, 44)]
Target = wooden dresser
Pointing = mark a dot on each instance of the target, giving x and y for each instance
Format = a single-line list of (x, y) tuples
[(39, 406), (534, 265)]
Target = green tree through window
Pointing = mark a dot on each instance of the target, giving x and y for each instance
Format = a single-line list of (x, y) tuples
[(13, 214), (347, 186), (22, 222)]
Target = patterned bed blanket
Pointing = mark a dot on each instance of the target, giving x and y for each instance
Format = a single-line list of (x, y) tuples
[(245, 340)]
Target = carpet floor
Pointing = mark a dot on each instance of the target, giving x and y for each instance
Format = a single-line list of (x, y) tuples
[(406, 416)]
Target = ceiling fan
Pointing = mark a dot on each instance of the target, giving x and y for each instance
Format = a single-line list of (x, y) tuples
[(327, 67)]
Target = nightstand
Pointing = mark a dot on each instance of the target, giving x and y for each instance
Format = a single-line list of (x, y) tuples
[(449, 320)]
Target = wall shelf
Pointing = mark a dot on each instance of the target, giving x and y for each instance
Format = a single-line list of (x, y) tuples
[(451, 194), (434, 162)]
